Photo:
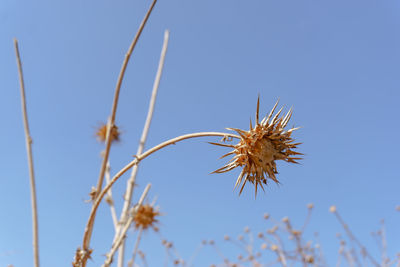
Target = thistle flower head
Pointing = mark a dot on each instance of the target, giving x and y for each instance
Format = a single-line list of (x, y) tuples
[(101, 133), (260, 147), (145, 217)]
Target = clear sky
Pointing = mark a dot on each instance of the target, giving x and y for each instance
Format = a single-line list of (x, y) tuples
[(336, 62)]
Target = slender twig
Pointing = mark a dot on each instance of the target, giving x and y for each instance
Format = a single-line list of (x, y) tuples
[(116, 97), (353, 238), (194, 255), (131, 182), (280, 251), (299, 246), (83, 254), (119, 240), (109, 199), (307, 220), (385, 258), (28, 140), (135, 250)]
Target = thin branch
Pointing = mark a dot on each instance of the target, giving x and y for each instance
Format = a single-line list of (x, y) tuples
[(28, 140), (116, 97), (122, 236), (135, 250), (109, 199), (353, 238), (82, 255), (131, 182)]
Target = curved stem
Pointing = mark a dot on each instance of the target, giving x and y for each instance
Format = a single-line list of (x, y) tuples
[(138, 158), (122, 236), (131, 182), (116, 97)]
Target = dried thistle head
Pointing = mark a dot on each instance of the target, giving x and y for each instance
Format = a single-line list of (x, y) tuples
[(101, 133), (260, 147), (145, 217)]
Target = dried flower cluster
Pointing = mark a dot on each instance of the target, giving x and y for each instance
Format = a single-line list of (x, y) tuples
[(101, 133), (145, 217), (260, 147)]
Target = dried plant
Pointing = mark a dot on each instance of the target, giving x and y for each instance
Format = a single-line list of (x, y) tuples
[(145, 217), (260, 147), (256, 151), (101, 133)]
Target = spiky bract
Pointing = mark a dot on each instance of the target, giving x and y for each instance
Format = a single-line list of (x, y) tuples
[(260, 147), (145, 217), (101, 133)]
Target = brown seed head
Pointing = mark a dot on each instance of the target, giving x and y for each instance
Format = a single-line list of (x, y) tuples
[(260, 147), (145, 217), (101, 133)]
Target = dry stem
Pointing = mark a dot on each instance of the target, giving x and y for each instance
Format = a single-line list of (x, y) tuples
[(110, 200), (81, 260), (116, 97), (28, 140), (117, 242), (135, 250), (131, 182), (353, 238)]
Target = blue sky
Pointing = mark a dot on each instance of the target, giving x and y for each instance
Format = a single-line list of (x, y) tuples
[(335, 62)]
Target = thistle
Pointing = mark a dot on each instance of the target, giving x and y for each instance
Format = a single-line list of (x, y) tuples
[(260, 147), (101, 133), (145, 217)]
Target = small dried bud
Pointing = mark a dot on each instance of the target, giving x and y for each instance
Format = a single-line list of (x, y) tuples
[(109, 200), (309, 259), (101, 133), (266, 216), (145, 216), (226, 237), (272, 230), (332, 209), (296, 232), (93, 193), (240, 237), (310, 205), (211, 242), (260, 235), (398, 208), (274, 247), (264, 246), (246, 229), (285, 219)]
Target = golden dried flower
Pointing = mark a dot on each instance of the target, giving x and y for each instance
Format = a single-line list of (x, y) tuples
[(145, 217), (260, 147), (101, 133)]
